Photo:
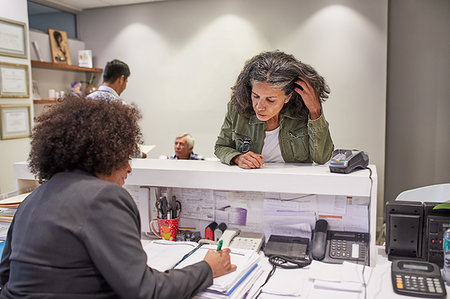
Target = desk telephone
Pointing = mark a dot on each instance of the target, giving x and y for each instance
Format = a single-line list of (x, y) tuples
[(335, 247), (234, 238), (329, 246)]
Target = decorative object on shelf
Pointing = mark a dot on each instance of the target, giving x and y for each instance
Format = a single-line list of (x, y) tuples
[(13, 38), (36, 93), (14, 80), (60, 46), (15, 121), (76, 89), (52, 94), (85, 58), (37, 50), (90, 88)]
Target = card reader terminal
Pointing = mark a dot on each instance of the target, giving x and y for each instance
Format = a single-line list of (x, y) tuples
[(345, 161)]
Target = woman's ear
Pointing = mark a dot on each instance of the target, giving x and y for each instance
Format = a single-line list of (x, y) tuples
[(288, 98)]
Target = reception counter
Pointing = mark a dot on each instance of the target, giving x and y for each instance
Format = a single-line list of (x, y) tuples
[(274, 177)]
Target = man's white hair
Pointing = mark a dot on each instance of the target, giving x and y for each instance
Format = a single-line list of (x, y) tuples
[(189, 139)]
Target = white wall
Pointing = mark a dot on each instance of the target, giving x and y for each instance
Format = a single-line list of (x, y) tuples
[(13, 150), (185, 55)]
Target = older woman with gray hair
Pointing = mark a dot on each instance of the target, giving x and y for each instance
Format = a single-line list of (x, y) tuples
[(275, 114)]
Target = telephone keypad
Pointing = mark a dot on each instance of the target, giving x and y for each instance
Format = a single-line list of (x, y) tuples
[(341, 249)]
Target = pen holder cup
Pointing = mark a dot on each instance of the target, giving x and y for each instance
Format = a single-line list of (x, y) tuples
[(167, 228)]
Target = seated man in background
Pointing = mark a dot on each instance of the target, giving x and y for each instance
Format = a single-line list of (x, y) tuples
[(184, 146)]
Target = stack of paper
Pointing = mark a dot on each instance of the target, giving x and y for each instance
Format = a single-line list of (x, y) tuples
[(347, 280), (7, 214), (8, 207), (164, 255), (13, 201)]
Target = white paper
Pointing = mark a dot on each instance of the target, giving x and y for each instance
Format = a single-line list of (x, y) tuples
[(14, 80), (356, 219), (195, 203), (12, 38), (282, 282), (16, 122), (243, 259), (331, 204), (163, 255), (346, 272)]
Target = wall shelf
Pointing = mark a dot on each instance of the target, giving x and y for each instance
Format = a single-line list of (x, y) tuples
[(44, 101), (51, 65)]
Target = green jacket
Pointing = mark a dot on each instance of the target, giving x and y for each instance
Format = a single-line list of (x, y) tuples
[(300, 141)]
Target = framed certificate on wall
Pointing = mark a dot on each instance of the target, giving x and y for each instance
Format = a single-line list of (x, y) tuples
[(14, 80), (13, 38), (15, 121)]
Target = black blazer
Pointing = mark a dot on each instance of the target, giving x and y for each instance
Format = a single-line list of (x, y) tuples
[(77, 236)]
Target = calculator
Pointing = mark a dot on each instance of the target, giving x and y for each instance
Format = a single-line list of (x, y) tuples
[(417, 278)]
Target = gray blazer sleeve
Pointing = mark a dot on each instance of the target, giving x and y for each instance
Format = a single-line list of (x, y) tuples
[(111, 235)]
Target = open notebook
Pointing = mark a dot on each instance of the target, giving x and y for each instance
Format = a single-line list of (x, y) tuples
[(164, 255)]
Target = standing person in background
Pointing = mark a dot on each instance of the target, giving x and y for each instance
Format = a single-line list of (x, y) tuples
[(115, 79), (275, 114), (78, 234), (184, 148)]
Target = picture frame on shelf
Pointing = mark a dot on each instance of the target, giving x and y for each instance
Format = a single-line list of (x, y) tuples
[(15, 121), (59, 45), (37, 50), (85, 58), (13, 38), (36, 93), (14, 80)]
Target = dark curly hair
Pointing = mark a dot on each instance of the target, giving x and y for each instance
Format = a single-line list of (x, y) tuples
[(278, 69), (90, 135)]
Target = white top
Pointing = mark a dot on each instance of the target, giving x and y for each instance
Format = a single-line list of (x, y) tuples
[(271, 148)]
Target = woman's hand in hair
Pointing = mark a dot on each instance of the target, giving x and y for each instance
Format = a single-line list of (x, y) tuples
[(309, 96)]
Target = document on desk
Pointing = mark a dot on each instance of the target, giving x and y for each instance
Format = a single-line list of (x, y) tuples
[(162, 255), (245, 260), (286, 282), (344, 280)]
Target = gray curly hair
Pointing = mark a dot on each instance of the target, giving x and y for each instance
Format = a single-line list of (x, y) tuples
[(277, 69)]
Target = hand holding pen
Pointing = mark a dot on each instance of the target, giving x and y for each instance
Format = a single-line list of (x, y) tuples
[(220, 262)]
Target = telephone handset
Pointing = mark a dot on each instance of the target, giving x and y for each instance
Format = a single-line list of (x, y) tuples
[(319, 240), (228, 235), (234, 238)]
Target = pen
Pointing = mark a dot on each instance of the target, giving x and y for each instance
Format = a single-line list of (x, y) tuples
[(219, 246), (189, 254)]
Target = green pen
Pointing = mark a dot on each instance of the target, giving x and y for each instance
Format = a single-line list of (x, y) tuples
[(219, 246)]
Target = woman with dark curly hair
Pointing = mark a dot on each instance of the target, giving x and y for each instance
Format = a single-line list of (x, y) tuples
[(78, 234), (275, 114)]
